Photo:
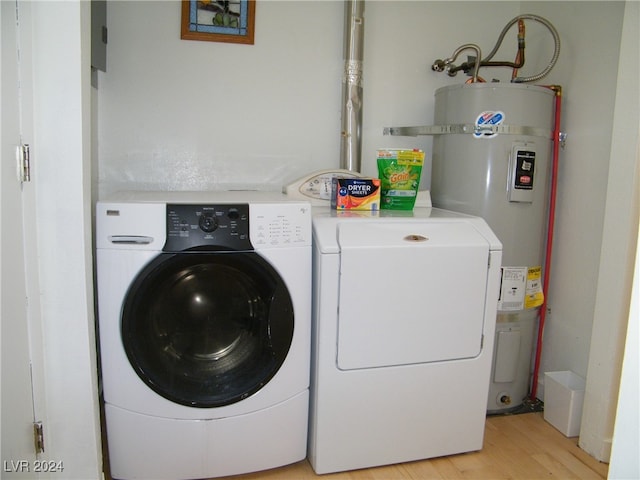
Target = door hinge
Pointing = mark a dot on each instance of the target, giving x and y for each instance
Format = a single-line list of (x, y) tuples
[(24, 163), (38, 437)]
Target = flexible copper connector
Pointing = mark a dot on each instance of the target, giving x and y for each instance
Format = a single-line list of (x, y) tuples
[(520, 55)]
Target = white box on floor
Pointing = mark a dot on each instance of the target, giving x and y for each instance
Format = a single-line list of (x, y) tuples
[(563, 398)]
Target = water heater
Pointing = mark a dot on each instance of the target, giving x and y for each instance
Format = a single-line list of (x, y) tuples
[(493, 160)]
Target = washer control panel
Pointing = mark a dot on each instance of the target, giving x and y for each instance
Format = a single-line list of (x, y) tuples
[(207, 227), (280, 224)]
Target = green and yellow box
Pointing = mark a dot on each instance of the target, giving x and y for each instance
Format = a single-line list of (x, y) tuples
[(399, 171)]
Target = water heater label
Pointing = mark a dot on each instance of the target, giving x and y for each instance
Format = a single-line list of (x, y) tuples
[(534, 294), (512, 288), (520, 288), (488, 118), (522, 165), (525, 165)]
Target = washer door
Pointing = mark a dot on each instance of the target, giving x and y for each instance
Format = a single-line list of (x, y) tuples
[(207, 329)]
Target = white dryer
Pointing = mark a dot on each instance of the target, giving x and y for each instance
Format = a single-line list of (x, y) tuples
[(204, 304), (404, 315)]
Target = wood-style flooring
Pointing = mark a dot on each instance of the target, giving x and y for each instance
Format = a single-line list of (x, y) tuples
[(515, 447)]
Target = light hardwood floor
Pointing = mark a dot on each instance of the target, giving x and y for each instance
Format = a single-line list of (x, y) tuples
[(515, 447)]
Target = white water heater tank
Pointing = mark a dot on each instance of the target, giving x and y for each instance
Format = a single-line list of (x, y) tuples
[(493, 160)]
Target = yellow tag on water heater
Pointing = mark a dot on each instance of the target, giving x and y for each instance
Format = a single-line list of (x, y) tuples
[(534, 296)]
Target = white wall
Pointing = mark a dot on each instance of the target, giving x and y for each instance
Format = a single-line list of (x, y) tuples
[(625, 463), (185, 115), (619, 241), (60, 164), (192, 115)]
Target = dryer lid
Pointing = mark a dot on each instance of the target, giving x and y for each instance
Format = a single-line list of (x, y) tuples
[(410, 292)]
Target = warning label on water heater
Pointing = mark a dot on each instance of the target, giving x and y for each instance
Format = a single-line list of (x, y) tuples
[(512, 288), (534, 295), (520, 288)]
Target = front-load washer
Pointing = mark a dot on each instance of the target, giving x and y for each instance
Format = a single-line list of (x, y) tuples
[(404, 307), (204, 304)]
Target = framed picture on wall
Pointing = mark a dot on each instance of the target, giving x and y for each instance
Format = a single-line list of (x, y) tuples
[(229, 21)]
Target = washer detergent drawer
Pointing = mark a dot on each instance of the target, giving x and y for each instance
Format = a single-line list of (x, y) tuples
[(410, 293)]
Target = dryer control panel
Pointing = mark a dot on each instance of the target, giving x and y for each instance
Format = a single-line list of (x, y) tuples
[(207, 227)]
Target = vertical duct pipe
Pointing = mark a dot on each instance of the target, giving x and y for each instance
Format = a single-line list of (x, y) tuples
[(351, 144)]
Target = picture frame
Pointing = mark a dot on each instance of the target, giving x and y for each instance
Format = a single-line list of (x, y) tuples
[(231, 21)]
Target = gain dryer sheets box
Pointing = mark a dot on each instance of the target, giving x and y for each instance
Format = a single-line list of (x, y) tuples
[(355, 193)]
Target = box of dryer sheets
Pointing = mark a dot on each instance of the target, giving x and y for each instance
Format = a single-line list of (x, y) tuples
[(355, 193)]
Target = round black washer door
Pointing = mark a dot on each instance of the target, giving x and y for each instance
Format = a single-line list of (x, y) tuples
[(207, 329)]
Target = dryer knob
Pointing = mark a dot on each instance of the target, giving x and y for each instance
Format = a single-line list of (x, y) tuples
[(208, 223)]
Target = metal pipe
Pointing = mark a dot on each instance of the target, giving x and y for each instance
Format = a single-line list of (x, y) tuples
[(519, 61), (448, 66), (351, 144), (449, 61), (556, 48), (557, 141)]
